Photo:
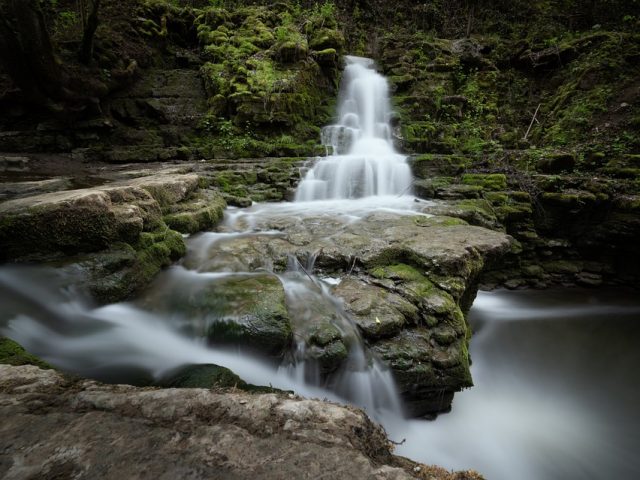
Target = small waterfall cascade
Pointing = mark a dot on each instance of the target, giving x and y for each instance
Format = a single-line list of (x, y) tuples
[(362, 379), (363, 161)]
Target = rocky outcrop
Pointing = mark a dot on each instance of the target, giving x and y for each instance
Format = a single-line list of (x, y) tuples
[(571, 228), (180, 433), (405, 280), (117, 233)]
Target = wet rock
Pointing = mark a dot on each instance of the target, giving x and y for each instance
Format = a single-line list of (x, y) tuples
[(426, 371), (117, 273), (414, 272), (209, 376), (377, 312), (245, 310), (24, 189)]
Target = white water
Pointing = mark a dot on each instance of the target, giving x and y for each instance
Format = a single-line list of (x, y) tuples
[(58, 326), (363, 162)]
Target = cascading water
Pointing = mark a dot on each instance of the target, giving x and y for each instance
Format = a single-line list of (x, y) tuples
[(525, 418), (363, 168), (363, 161)]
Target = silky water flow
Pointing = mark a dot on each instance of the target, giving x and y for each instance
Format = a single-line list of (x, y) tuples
[(525, 418)]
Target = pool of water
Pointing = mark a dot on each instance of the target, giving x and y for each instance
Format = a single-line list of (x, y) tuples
[(556, 395)]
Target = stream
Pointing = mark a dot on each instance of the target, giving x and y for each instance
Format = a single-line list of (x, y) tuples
[(555, 372)]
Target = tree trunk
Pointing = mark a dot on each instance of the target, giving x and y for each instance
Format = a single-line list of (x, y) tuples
[(86, 49)]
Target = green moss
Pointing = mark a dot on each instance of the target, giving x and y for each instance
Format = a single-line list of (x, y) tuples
[(262, 79), (569, 199), (123, 270), (491, 181), (439, 221), (398, 271), (13, 354), (203, 211), (211, 376)]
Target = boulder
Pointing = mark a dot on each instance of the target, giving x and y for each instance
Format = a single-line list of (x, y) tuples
[(243, 310), (178, 433)]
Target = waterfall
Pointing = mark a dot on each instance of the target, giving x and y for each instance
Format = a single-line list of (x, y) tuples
[(363, 161)]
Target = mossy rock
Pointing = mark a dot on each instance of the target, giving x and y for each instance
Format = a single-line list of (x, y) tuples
[(328, 357), (557, 163), (210, 376), (12, 353), (326, 57), (434, 304), (70, 222), (247, 311), (326, 38), (429, 165), (488, 181), (378, 313), (123, 270), (197, 214)]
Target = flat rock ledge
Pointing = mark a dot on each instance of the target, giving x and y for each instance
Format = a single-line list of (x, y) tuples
[(57, 427)]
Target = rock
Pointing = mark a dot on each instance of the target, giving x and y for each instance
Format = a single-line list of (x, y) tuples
[(119, 272), (95, 218), (201, 212), (557, 163), (427, 373), (210, 376), (470, 53), (326, 38), (243, 310), (70, 221), (473, 211), (183, 432), (25, 189), (321, 333), (14, 163), (377, 312), (415, 274)]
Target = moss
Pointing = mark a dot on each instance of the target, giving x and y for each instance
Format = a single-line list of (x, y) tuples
[(201, 212), (210, 376), (398, 271), (439, 221), (492, 181), (124, 269), (13, 354), (424, 165), (569, 199), (262, 78)]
